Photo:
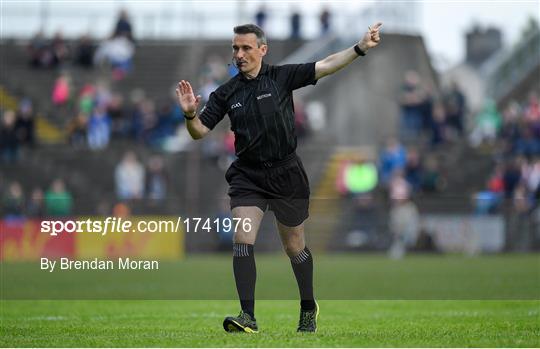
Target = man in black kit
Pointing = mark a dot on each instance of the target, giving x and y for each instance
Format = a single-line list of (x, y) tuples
[(267, 173)]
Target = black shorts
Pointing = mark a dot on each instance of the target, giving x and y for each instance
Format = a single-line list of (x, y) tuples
[(283, 186)]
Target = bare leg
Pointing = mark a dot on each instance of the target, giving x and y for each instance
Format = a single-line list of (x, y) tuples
[(292, 238), (248, 214)]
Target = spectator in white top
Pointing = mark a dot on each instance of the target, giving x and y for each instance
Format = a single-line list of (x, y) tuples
[(118, 53), (129, 177)]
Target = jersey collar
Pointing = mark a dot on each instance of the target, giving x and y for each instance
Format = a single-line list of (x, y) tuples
[(263, 71)]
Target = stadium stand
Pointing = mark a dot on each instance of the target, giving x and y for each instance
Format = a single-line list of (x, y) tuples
[(362, 116)]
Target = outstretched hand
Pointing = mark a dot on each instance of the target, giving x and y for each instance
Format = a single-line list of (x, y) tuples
[(371, 37), (187, 100)]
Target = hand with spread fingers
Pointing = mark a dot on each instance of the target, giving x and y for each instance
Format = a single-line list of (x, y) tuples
[(186, 98), (371, 37)]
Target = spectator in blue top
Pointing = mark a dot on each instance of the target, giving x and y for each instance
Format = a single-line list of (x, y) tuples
[(99, 129), (392, 158)]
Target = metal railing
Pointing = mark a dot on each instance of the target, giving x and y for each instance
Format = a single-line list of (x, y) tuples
[(515, 66)]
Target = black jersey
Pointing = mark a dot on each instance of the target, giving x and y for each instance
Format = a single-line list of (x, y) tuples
[(261, 110)]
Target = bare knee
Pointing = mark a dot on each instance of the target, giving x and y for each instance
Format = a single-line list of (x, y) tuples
[(242, 237), (293, 245), (292, 238)]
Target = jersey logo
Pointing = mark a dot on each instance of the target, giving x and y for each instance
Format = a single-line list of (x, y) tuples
[(236, 105), (266, 95)]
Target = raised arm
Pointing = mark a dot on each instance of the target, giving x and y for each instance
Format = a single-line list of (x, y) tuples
[(189, 104), (339, 60)]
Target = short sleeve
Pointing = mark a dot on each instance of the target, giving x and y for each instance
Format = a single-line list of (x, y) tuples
[(214, 110), (298, 75)]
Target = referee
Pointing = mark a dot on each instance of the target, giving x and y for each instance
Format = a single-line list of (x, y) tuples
[(267, 172)]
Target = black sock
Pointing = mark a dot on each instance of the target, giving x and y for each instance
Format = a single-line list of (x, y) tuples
[(245, 275), (302, 265)]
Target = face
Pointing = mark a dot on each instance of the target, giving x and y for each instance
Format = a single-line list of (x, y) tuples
[(246, 53)]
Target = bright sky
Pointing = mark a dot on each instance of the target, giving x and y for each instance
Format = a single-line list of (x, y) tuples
[(442, 23), (445, 23)]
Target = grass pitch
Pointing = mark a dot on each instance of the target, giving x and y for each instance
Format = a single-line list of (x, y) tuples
[(421, 301), (341, 324), (337, 277)]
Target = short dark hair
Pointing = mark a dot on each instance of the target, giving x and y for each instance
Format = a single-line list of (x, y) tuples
[(252, 28)]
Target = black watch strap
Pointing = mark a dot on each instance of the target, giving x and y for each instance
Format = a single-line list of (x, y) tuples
[(358, 50), (190, 118)]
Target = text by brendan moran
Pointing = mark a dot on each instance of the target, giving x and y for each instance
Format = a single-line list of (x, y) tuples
[(98, 264)]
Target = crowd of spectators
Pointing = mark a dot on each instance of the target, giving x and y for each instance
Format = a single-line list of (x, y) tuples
[(56, 201), (514, 138), (100, 114), (519, 128), (134, 181), (17, 129), (48, 53), (420, 171), (402, 170), (400, 174), (96, 113), (408, 165), (115, 52), (440, 118)]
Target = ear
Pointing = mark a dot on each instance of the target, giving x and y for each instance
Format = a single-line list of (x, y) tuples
[(264, 49)]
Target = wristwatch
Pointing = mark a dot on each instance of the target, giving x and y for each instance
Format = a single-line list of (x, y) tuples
[(190, 117), (358, 50)]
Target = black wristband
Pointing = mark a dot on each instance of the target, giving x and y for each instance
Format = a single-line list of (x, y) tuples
[(190, 118), (358, 50)]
